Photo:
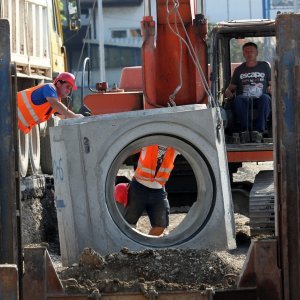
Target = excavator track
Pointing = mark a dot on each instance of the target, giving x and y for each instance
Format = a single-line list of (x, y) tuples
[(261, 204)]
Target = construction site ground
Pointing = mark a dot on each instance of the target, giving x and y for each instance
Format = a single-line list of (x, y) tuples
[(148, 271)]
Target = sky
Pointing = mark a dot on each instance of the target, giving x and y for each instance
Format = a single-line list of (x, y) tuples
[(224, 10)]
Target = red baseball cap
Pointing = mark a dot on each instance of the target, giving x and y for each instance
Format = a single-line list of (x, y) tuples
[(121, 193), (67, 77)]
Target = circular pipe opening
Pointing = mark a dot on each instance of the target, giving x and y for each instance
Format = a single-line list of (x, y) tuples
[(201, 206)]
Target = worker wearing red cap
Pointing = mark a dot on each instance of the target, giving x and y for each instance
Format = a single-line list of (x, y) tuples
[(121, 196), (121, 193), (38, 103)]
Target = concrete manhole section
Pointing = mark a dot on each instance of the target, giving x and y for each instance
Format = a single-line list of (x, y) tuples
[(88, 155), (200, 210)]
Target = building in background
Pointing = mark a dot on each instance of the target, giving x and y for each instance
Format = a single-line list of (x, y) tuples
[(120, 36)]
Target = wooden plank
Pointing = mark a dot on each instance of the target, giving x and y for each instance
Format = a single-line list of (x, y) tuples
[(261, 270), (175, 295), (9, 282)]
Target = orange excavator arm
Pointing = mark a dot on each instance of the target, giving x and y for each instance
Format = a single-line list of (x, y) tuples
[(174, 55)]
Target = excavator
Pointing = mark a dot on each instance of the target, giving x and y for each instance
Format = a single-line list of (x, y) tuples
[(178, 77), (176, 71)]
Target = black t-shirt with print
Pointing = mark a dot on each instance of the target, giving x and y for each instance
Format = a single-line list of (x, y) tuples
[(252, 81)]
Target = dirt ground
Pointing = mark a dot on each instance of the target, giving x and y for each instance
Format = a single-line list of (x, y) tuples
[(151, 271), (148, 271)]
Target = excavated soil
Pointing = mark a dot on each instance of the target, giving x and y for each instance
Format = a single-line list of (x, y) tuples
[(149, 271)]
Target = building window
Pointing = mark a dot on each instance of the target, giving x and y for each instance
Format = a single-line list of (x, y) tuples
[(119, 57), (118, 34), (136, 32)]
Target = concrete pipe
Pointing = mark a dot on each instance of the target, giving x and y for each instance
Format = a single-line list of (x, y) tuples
[(87, 155)]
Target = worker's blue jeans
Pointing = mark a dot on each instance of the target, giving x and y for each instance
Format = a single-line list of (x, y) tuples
[(242, 109)]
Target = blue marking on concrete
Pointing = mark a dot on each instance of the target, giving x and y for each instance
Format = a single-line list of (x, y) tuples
[(60, 204)]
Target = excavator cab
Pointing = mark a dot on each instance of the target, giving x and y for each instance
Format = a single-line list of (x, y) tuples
[(226, 54), (227, 39)]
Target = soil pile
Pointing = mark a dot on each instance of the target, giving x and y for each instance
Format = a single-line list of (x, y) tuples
[(151, 271), (154, 270)]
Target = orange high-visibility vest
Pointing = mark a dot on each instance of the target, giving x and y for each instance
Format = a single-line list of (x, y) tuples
[(30, 114), (146, 167)]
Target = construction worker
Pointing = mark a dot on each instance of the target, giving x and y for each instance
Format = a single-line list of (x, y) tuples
[(147, 189), (38, 103)]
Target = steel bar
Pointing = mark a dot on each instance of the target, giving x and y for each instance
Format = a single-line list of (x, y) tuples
[(8, 223), (286, 120)]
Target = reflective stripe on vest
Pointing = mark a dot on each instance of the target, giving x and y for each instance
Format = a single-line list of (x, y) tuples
[(147, 166), (30, 114), (29, 106)]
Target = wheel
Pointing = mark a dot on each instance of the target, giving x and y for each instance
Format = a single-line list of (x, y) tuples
[(35, 150), (46, 157), (23, 149)]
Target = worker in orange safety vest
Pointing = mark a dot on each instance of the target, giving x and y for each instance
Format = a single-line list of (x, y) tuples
[(147, 189), (38, 103)]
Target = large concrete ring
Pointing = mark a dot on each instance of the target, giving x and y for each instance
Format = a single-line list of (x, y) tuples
[(87, 155), (198, 214)]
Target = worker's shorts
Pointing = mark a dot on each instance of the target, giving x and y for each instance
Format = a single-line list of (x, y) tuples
[(153, 201)]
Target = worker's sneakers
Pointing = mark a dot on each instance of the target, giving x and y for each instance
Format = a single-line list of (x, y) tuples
[(236, 138), (256, 137), (245, 137)]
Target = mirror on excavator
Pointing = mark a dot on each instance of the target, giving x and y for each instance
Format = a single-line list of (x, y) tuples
[(74, 14)]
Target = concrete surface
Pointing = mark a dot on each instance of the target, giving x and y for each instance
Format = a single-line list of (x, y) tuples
[(87, 154)]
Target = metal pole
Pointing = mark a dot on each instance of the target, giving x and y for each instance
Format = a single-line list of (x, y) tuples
[(268, 8), (101, 42), (147, 8), (200, 7), (264, 9), (228, 10), (8, 221), (296, 5), (286, 128)]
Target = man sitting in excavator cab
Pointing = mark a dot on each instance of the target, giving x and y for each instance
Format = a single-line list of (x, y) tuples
[(251, 84)]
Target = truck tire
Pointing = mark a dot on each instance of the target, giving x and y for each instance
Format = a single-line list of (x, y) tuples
[(46, 160), (35, 150), (46, 157), (23, 149)]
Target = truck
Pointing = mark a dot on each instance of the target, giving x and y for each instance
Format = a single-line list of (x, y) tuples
[(38, 55), (179, 69)]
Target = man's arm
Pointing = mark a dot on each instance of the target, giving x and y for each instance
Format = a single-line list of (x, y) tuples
[(269, 78), (269, 88), (230, 91), (62, 109)]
